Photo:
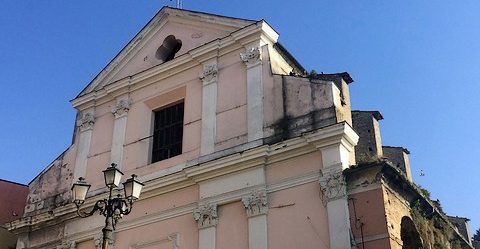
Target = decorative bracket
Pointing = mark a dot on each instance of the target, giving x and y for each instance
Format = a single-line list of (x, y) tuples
[(86, 122), (255, 203), (251, 57), (209, 74), (121, 108), (206, 215)]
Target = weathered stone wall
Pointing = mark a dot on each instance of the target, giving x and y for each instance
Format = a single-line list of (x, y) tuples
[(369, 147), (396, 208), (399, 158), (308, 104), (48, 190)]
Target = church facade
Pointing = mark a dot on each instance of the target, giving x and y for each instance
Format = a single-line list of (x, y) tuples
[(237, 147)]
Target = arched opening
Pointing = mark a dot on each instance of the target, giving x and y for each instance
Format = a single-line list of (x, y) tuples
[(409, 234), (169, 48)]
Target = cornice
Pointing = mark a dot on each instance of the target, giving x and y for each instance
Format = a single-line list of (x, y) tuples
[(185, 175)]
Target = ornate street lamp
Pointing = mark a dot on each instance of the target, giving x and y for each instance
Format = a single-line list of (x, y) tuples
[(112, 208)]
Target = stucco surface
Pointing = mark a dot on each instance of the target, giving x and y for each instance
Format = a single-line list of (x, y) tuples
[(232, 227), (297, 218)]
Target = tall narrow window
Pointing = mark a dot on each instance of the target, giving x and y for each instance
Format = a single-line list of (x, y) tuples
[(167, 132)]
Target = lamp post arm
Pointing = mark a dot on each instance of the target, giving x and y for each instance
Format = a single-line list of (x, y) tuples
[(99, 205)]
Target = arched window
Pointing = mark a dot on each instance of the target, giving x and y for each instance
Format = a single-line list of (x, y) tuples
[(409, 234)]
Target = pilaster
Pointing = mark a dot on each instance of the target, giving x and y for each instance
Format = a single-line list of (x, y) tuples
[(336, 154), (256, 206), (120, 112), (253, 61), (207, 220), (85, 127), (209, 107)]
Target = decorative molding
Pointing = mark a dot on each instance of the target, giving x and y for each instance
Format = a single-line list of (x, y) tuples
[(98, 239), (206, 215), (67, 245), (86, 122), (251, 57), (121, 108), (174, 239), (209, 74), (333, 185), (99, 88), (192, 172), (256, 203)]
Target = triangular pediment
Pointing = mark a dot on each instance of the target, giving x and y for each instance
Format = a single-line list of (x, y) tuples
[(168, 28)]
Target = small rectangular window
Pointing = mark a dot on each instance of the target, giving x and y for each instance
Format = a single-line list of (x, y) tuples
[(167, 132)]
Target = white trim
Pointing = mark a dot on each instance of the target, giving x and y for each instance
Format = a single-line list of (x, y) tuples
[(259, 31), (188, 174), (209, 107)]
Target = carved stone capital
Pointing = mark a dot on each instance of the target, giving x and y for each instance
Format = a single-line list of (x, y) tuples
[(209, 74), (67, 245), (98, 240), (255, 203), (121, 108), (333, 185), (86, 122), (251, 57), (206, 215)]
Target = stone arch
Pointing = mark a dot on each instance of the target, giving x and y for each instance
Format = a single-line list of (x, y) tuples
[(409, 234), (169, 48)]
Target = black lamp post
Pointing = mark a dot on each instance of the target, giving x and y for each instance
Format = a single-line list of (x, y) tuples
[(112, 208)]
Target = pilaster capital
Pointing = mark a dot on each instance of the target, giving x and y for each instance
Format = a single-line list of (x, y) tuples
[(98, 240), (251, 57), (122, 107), (209, 74), (256, 203), (86, 122), (67, 245), (333, 185), (206, 215)]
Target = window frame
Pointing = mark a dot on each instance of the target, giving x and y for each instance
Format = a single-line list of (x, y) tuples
[(175, 143)]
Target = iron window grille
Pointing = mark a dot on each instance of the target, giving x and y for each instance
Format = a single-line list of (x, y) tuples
[(167, 132)]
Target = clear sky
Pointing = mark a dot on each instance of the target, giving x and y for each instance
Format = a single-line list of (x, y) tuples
[(416, 61)]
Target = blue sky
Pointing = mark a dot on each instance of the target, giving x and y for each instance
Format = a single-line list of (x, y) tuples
[(416, 62)]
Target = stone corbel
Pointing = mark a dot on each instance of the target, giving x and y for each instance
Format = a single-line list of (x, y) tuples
[(251, 57), (98, 240), (86, 122), (121, 108), (206, 215), (209, 74), (67, 245), (333, 185), (255, 203)]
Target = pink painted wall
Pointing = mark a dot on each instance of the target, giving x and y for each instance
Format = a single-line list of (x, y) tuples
[(297, 218), (232, 228)]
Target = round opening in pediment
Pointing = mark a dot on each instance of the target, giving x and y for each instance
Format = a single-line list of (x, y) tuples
[(169, 48)]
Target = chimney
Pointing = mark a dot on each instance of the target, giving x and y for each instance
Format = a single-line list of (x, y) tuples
[(398, 156), (369, 147)]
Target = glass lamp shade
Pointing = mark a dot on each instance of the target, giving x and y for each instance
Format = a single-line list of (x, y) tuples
[(79, 190), (112, 176), (132, 188)]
